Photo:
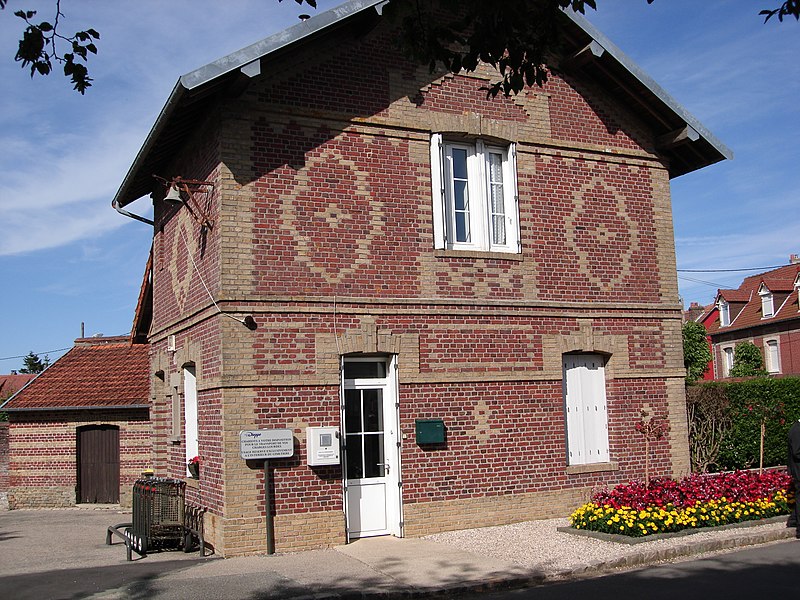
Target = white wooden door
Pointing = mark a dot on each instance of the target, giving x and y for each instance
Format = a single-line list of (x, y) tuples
[(371, 451)]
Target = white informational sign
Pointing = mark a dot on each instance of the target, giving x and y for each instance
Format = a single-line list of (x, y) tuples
[(263, 444)]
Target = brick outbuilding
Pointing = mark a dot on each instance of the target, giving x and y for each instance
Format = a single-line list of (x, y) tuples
[(476, 298), (79, 433)]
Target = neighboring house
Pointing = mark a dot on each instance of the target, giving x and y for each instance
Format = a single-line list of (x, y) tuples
[(80, 432), (479, 295), (763, 310), (11, 384)]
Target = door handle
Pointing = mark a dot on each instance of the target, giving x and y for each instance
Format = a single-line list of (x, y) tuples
[(384, 465)]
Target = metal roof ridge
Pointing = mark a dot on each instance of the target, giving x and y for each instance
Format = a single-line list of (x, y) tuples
[(271, 43)]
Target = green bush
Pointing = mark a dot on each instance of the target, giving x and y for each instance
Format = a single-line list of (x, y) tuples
[(777, 401)]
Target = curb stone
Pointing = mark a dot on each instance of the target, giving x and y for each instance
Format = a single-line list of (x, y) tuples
[(672, 553)]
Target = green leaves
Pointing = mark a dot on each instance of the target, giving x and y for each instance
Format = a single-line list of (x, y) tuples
[(696, 354), (790, 8), (747, 361), (38, 48)]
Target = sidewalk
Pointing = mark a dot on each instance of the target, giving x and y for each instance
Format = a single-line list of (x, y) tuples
[(62, 554)]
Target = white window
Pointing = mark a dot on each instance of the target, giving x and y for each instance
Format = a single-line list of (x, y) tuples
[(724, 313), (727, 361), (773, 356), (190, 414), (475, 196), (767, 305), (585, 404)]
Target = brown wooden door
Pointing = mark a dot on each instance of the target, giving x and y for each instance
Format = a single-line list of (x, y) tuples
[(98, 464)]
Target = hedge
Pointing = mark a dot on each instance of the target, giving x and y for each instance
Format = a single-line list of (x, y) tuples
[(725, 422)]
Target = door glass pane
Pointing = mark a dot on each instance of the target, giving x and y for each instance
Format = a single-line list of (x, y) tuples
[(355, 462), (373, 410), (365, 370), (352, 411), (373, 455)]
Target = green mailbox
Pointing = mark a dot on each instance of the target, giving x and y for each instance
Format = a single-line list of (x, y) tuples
[(430, 431)]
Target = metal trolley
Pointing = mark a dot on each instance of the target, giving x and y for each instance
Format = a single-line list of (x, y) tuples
[(161, 518)]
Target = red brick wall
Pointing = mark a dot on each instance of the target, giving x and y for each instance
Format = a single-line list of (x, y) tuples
[(3, 456), (323, 228), (42, 454)]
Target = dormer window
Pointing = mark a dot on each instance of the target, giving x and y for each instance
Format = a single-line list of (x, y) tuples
[(724, 313), (767, 304), (797, 289)]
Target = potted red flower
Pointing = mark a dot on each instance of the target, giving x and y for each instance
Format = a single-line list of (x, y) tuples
[(194, 467)]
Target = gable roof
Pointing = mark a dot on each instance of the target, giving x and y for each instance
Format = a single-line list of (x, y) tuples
[(786, 307), (95, 373), (9, 384), (739, 295), (684, 141)]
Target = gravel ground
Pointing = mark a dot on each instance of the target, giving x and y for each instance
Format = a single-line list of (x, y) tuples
[(538, 545)]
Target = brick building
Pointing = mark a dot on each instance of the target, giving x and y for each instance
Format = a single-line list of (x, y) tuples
[(80, 431), (764, 310), (478, 294)]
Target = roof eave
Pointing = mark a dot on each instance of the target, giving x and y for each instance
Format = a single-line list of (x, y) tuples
[(76, 408), (703, 141)]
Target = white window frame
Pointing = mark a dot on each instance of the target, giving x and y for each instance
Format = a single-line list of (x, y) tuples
[(724, 313), (586, 409), (767, 302), (727, 360), (772, 355), (478, 193), (797, 289)]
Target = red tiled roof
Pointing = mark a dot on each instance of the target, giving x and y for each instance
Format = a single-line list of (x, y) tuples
[(13, 383), (780, 281), (735, 295), (775, 284), (96, 372)]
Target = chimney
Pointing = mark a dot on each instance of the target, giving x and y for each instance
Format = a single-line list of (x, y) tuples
[(794, 259)]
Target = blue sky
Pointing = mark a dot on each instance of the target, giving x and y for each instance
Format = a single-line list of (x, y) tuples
[(67, 257)]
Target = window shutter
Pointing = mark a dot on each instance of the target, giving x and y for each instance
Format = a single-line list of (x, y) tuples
[(585, 403), (437, 189), (574, 408), (512, 207), (596, 422)]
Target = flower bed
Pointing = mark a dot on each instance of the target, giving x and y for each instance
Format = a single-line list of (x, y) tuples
[(668, 505)]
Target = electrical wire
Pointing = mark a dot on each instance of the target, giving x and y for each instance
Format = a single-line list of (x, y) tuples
[(728, 270), (36, 353), (702, 281), (197, 270)]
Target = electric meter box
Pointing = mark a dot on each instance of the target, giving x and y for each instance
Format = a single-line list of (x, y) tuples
[(322, 446)]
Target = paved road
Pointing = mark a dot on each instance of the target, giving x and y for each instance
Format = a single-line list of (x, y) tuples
[(62, 554), (769, 571)]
